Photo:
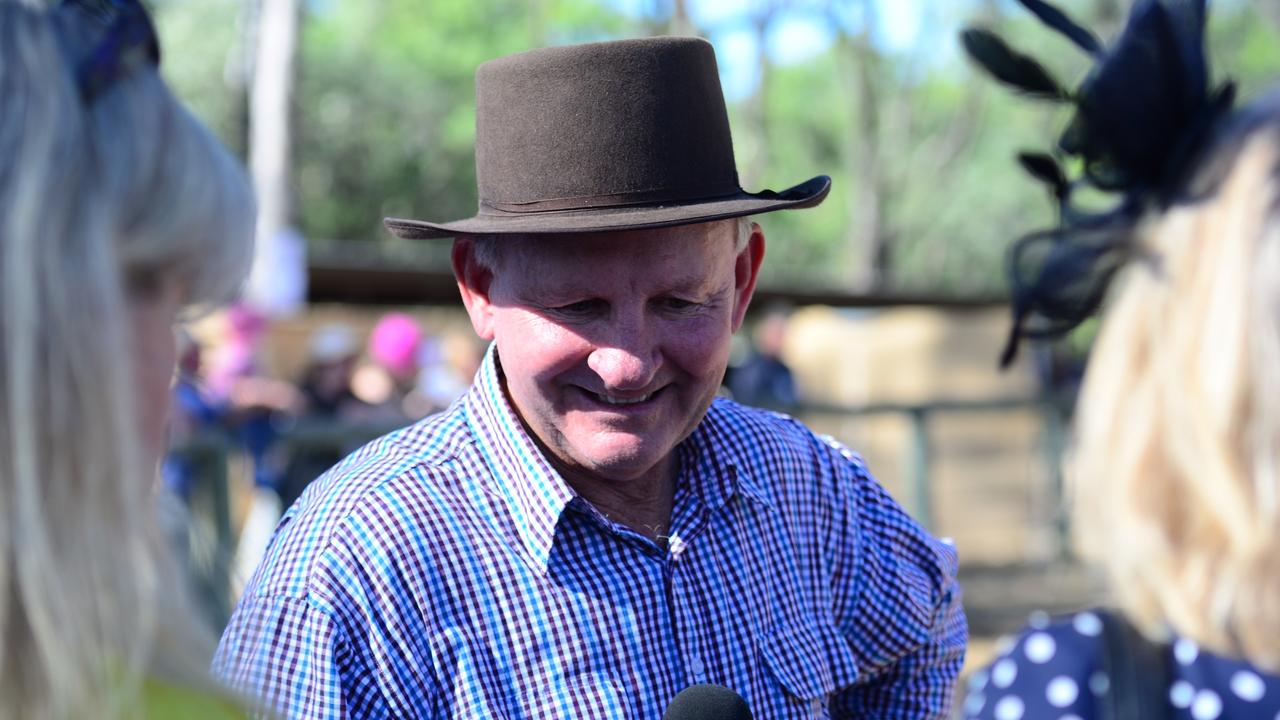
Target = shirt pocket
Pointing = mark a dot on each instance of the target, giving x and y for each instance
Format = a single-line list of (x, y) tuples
[(589, 695), (811, 661)]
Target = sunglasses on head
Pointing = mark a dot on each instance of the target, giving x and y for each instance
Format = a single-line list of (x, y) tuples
[(128, 43)]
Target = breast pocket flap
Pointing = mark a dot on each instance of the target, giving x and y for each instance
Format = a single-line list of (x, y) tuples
[(810, 661)]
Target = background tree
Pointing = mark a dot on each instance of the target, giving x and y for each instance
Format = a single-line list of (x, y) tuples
[(920, 147)]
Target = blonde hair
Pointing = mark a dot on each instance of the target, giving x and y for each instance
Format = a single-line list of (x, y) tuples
[(1174, 474), (95, 198)]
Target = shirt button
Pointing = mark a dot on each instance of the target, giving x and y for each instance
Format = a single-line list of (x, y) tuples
[(697, 668), (819, 708)]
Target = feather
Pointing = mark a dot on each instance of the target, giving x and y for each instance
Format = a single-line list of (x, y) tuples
[(1009, 66), (1143, 116), (1058, 20), (1136, 105), (1046, 169)]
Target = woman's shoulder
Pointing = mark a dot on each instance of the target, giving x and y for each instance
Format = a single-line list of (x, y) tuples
[(1211, 686), (1050, 669), (1053, 668)]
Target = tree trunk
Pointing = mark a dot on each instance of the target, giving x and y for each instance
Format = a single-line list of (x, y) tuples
[(269, 150), (680, 23), (868, 247), (757, 109)]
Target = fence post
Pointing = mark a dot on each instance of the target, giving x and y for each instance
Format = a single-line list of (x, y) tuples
[(1055, 442), (921, 498)]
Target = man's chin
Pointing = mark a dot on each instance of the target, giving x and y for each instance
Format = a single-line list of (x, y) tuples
[(622, 461)]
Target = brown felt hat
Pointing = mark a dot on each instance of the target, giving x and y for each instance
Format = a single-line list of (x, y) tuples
[(606, 136)]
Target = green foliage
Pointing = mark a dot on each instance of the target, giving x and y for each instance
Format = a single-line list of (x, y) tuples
[(384, 125), (1244, 45), (386, 122), (202, 60), (805, 120)]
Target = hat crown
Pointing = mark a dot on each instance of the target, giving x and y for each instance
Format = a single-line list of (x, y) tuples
[(602, 124)]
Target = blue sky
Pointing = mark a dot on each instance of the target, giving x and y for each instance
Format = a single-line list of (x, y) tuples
[(797, 34)]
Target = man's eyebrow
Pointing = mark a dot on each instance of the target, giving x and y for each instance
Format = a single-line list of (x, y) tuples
[(553, 289), (687, 284), (698, 284)]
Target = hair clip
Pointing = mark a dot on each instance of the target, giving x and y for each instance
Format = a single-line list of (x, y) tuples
[(128, 43)]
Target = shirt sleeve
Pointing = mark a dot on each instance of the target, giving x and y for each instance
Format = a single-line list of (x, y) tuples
[(290, 657), (898, 603)]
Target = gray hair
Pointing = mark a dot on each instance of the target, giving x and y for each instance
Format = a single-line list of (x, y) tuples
[(96, 200), (490, 249)]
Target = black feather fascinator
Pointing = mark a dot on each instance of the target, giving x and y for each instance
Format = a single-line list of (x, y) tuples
[(1142, 115)]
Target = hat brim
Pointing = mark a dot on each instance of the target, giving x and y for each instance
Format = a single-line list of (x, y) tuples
[(633, 217)]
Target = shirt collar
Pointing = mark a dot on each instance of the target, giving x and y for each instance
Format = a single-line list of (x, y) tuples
[(533, 491), (715, 461)]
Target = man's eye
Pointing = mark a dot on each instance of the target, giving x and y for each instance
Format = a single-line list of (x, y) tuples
[(583, 307), (678, 304)]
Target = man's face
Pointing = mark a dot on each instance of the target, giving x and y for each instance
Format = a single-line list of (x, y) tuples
[(613, 344)]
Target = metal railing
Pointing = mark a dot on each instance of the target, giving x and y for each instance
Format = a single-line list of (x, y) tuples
[(212, 451)]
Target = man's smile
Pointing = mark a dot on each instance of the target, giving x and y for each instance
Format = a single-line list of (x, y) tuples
[(622, 401), (615, 400)]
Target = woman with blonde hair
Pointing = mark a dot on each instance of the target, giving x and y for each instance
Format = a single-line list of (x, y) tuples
[(1174, 475), (118, 210)]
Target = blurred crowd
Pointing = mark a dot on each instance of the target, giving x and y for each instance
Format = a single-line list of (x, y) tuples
[(354, 384)]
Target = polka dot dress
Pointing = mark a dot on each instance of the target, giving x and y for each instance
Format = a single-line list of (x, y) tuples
[(1051, 671)]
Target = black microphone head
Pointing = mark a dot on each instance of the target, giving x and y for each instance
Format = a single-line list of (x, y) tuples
[(707, 702)]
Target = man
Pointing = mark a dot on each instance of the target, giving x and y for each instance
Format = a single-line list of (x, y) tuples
[(590, 531)]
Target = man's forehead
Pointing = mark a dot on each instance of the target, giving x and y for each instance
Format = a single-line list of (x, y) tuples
[(690, 231), (685, 258)]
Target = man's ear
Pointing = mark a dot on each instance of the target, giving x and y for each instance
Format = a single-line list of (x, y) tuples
[(746, 271), (474, 282)]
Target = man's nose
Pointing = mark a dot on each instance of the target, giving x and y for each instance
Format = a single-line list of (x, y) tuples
[(629, 364)]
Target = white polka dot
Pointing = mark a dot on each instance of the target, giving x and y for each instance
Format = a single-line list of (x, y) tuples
[(1062, 691), (1069, 717), (1248, 686), (973, 704), (1185, 651), (1087, 624), (1039, 620), (1099, 683), (1040, 648), (1003, 673), (1181, 694), (1206, 706), (1010, 707)]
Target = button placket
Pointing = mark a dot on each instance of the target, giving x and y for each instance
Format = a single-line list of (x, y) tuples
[(694, 665)]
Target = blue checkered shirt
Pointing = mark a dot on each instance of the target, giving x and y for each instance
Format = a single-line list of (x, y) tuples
[(447, 571)]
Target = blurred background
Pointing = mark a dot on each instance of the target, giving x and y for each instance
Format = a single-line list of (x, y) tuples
[(881, 312)]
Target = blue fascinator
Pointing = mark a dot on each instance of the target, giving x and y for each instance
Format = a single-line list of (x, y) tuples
[(1142, 116), (127, 43)]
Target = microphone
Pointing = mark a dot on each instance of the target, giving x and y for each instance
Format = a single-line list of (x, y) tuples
[(707, 702)]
